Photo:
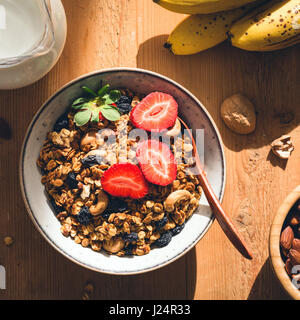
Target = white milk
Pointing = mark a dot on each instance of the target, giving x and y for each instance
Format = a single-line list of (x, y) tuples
[(21, 26)]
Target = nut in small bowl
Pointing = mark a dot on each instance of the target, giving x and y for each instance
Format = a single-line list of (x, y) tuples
[(284, 244)]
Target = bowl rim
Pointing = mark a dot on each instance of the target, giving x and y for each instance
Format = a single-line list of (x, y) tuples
[(274, 246), (67, 85)]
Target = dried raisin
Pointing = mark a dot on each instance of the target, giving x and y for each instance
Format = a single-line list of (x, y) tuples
[(164, 239)]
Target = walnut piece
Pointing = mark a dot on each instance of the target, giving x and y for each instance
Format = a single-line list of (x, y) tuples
[(282, 147), (238, 113), (8, 240)]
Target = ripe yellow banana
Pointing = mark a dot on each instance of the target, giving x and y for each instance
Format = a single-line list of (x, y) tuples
[(200, 32), (201, 6), (273, 26)]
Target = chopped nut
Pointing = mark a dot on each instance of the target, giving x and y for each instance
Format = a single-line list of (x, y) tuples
[(176, 197), (85, 191), (89, 288), (282, 147), (8, 240), (175, 130), (114, 245)]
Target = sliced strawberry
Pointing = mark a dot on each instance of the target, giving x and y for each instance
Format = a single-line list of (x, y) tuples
[(124, 180), (156, 112), (157, 162)]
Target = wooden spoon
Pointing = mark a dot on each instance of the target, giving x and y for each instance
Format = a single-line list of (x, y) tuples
[(223, 219)]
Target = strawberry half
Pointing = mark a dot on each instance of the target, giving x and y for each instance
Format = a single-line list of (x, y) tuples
[(124, 180), (156, 112), (157, 162)]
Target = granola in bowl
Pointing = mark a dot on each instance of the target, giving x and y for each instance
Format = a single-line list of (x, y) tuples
[(114, 182)]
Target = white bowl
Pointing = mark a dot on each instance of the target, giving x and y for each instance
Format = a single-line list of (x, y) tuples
[(33, 192)]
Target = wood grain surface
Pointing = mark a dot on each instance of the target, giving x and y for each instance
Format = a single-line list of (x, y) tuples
[(109, 33)]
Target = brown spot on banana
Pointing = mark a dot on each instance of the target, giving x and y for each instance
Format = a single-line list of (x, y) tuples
[(273, 26)]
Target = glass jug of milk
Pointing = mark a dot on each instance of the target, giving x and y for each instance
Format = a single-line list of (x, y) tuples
[(32, 36)]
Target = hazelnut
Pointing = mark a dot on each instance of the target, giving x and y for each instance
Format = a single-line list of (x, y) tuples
[(238, 113), (282, 147)]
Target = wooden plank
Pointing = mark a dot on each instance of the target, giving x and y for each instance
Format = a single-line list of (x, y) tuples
[(131, 33)]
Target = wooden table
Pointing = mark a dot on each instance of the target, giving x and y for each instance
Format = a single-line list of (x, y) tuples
[(110, 33)]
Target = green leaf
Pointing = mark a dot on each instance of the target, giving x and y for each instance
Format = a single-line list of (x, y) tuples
[(111, 106), (110, 113), (103, 90), (106, 99), (77, 104), (114, 95), (88, 90), (82, 117), (95, 116)]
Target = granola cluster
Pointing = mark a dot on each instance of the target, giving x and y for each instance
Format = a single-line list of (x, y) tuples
[(73, 159)]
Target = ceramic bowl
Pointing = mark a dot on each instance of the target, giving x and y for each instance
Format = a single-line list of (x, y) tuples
[(274, 243), (144, 82)]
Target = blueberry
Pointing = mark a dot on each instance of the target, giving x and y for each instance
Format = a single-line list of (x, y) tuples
[(161, 223), (128, 249), (71, 180), (91, 160), (124, 99), (124, 104), (177, 229), (116, 205), (57, 209), (61, 123), (124, 108), (131, 237), (164, 239), (84, 216)]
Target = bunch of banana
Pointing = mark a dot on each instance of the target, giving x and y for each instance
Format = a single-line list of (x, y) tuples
[(273, 26), (200, 32), (201, 6), (260, 25)]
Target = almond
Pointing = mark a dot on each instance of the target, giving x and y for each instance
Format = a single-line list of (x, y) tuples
[(286, 238), (288, 266), (296, 244), (294, 255), (285, 252), (295, 219)]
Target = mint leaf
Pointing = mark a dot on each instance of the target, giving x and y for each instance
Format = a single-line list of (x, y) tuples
[(90, 91), (107, 100), (111, 114), (77, 104), (114, 95), (103, 101), (112, 106), (82, 117), (103, 90), (95, 116)]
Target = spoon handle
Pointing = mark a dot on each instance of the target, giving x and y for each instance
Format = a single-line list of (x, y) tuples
[(225, 222)]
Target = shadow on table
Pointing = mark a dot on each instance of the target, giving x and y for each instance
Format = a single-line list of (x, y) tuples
[(267, 286), (219, 72), (175, 281)]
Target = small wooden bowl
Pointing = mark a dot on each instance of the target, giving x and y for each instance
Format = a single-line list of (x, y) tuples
[(274, 246)]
